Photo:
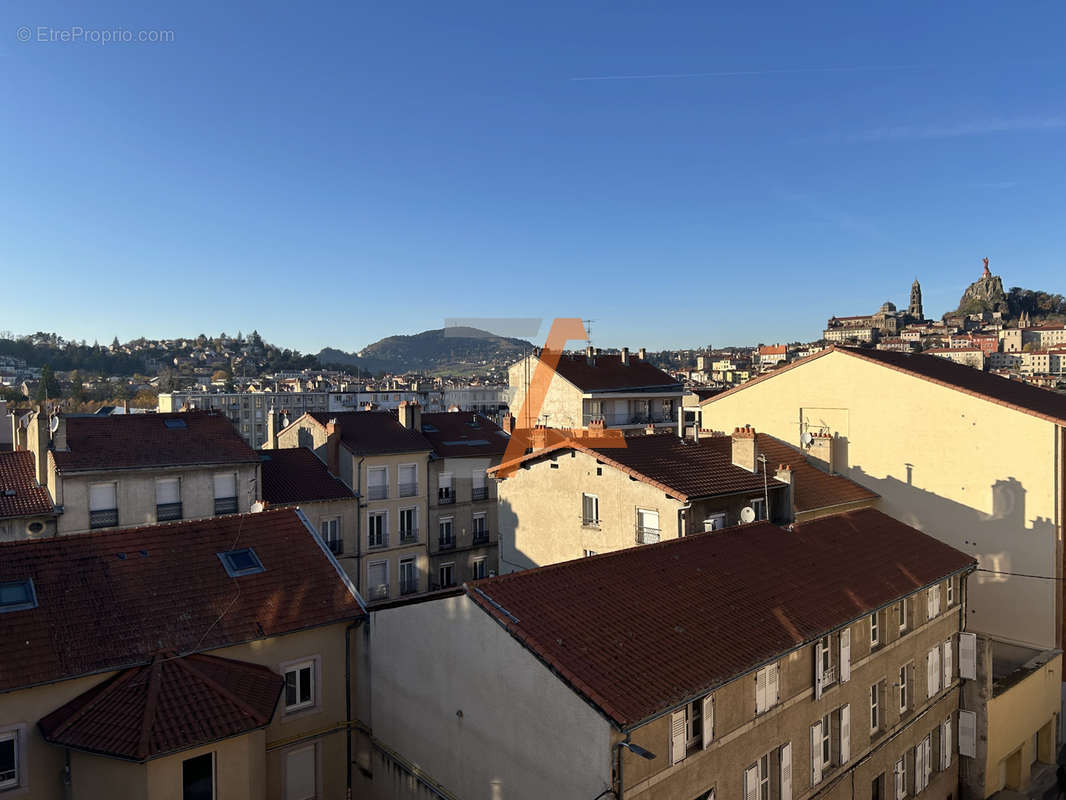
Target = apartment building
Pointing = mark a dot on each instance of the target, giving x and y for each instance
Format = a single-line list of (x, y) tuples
[(967, 356), (26, 509), (138, 469), (387, 465), (975, 460), (704, 667), (571, 499), (248, 411), (623, 391), (196, 659), (297, 478), (463, 518)]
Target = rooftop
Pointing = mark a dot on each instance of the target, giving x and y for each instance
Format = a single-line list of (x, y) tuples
[(642, 630), (607, 373), (297, 475), (111, 600), (813, 488), (20, 494), (462, 434), (371, 432)]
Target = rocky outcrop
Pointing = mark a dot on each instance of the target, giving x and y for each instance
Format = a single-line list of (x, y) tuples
[(984, 294)]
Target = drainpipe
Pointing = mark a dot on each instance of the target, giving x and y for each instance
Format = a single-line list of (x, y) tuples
[(359, 525), (347, 701), (680, 519)]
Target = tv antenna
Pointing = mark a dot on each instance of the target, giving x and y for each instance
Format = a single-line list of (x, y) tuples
[(588, 329)]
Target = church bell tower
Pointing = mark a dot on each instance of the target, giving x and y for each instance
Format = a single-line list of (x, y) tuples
[(915, 309)]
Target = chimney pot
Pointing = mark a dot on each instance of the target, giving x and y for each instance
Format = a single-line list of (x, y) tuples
[(625, 356), (745, 449)]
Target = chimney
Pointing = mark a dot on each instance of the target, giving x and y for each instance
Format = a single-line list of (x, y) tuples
[(784, 473), (596, 427), (745, 451), (59, 437), (643, 354), (126, 406), (625, 356), (507, 422), (589, 352), (538, 437), (680, 422), (411, 415), (333, 446), (37, 440), (271, 442), (821, 452), (649, 430)]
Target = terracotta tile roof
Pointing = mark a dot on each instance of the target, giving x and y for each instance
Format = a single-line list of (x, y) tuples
[(113, 599), (18, 475), (297, 475), (169, 705), (813, 489), (1020, 396), (772, 350), (642, 630), (132, 441), (464, 435), (684, 469), (609, 374), (373, 432)]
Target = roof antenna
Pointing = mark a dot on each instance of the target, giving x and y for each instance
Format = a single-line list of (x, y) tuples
[(588, 329)]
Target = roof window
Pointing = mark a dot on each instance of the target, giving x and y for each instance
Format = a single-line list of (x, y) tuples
[(174, 423), (241, 562), (17, 596)]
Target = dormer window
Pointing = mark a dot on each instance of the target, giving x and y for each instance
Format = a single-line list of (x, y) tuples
[(241, 562), (17, 596)]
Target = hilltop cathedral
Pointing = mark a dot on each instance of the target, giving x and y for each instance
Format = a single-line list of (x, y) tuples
[(886, 322)]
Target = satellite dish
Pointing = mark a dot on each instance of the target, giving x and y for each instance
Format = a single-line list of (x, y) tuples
[(807, 438), (747, 514), (53, 425)]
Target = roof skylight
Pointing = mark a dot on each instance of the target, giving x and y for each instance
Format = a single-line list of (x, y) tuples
[(241, 562), (17, 596)]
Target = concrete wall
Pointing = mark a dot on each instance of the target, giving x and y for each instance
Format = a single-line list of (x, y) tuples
[(462, 511), (455, 694), (15, 528), (974, 474), (348, 513)]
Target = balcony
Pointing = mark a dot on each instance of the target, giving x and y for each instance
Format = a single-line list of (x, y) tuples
[(377, 541), (829, 676), (481, 537), (408, 489), (104, 518), (409, 587), (225, 505), (410, 535), (647, 535), (336, 546), (445, 497), (446, 542), (619, 420), (481, 493), (377, 492), (167, 512), (379, 592)]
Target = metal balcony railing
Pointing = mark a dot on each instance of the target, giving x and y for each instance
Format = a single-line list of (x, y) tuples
[(829, 676), (647, 535), (225, 505), (336, 546), (166, 512), (481, 537), (104, 518), (446, 542), (408, 587), (379, 592), (377, 492), (481, 493), (409, 535), (377, 540), (408, 489), (445, 497)]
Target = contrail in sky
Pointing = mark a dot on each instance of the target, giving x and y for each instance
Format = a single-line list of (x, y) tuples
[(737, 73)]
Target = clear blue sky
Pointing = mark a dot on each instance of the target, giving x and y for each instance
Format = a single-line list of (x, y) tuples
[(332, 174)]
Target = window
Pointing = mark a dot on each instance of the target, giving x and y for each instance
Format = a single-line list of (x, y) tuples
[(900, 774), (481, 531), (478, 491), (331, 535), (445, 491), (933, 601), (17, 596), (826, 729), (167, 499), (300, 773), (877, 788), (923, 764), (770, 777), (377, 529), (447, 575), (714, 522), (479, 568), (647, 526), (9, 760), (408, 524), (103, 505), (377, 483), (758, 505), (946, 665), (932, 667), (299, 686), (447, 534), (766, 688), (951, 592), (904, 611), (198, 777), (408, 576), (408, 480), (226, 493), (588, 553), (241, 562), (377, 580), (694, 724), (830, 742), (875, 707), (904, 699), (590, 510)]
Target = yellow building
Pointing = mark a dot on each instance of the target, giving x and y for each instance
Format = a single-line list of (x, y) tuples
[(975, 460)]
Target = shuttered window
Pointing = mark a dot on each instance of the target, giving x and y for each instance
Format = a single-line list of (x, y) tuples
[(945, 744), (767, 688), (590, 509), (786, 771), (167, 490), (968, 734), (816, 753), (845, 655), (967, 659), (946, 665), (933, 602), (225, 485), (708, 721), (900, 775), (845, 733), (751, 782), (377, 483), (102, 497), (932, 677), (677, 736)]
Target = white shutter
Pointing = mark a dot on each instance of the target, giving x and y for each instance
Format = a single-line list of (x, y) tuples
[(167, 490), (845, 655), (786, 771), (946, 664), (968, 733), (225, 485), (919, 767), (760, 691), (898, 775), (445, 480), (928, 760), (932, 676), (300, 774), (677, 736), (102, 497), (708, 721), (816, 753), (409, 473), (845, 733), (817, 668), (478, 479), (751, 783), (936, 599), (772, 685), (967, 659), (945, 744)]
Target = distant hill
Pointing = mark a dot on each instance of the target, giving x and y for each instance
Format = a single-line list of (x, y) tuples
[(430, 351)]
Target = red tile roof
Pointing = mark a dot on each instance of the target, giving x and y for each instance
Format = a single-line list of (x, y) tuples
[(642, 630), (297, 475), (812, 489), (18, 475), (111, 600), (607, 373), (169, 705), (373, 432), (683, 469), (132, 441), (1020, 396), (464, 435)]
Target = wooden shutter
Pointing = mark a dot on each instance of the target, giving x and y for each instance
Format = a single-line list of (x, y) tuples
[(845, 655), (760, 691), (816, 753), (897, 773), (677, 736), (967, 659), (928, 762), (968, 733), (945, 744), (936, 600), (932, 672), (772, 685), (845, 733), (817, 669), (751, 783), (708, 721), (919, 767), (946, 665), (786, 771), (102, 497)]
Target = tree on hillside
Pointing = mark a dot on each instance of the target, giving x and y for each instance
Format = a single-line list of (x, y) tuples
[(48, 388), (115, 344)]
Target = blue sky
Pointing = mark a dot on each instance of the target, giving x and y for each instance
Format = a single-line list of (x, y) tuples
[(332, 174)]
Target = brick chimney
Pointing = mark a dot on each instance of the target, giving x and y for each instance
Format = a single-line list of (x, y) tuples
[(821, 452), (596, 427), (625, 356), (643, 354), (649, 430), (745, 450), (411, 415), (333, 446), (538, 437), (589, 355), (507, 423), (784, 473), (271, 442), (59, 436)]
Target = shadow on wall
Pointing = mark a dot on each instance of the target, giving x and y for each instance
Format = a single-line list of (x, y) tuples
[(511, 558), (305, 439)]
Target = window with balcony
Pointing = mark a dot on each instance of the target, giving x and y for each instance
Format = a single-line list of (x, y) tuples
[(446, 575), (480, 529), (408, 480), (446, 533), (647, 526), (377, 529), (377, 580), (167, 499), (225, 492), (409, 524), (408, 576), (103, 505), (590, 510), (377, 483), (331, 535), (445, 490), (479, 568), (479, 490)]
